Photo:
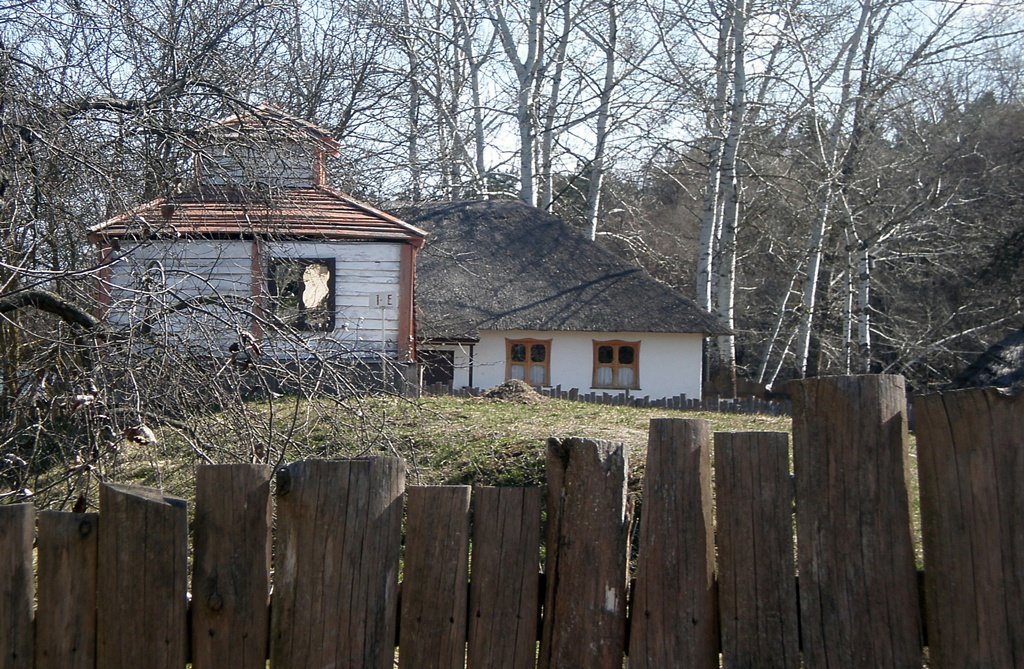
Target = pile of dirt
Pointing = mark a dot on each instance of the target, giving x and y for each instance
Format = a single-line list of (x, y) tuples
[(516, 391)]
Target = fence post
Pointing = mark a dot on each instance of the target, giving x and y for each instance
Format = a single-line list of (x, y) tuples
[(231, 569), (434, 588), (970, 448), (585, 569), (503, 601), (17, 527), (339, 526), (858, 585), (66, 615), (674, 621), (141, 582), (756, 588)]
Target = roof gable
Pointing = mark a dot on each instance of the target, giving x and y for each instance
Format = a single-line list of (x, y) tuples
[(506, 265)]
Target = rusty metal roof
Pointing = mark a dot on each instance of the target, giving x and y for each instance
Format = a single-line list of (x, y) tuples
[(317, 212)]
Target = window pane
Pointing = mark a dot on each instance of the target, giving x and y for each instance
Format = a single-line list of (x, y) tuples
[(537, 376), (604, 354), (627, 354), (518, 353), (604, 376), (625, 379), (538, 353), (517, 372)]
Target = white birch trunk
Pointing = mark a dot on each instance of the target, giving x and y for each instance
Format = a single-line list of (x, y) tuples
[(603, 117), (862, 309), (413, 112), (726, 270), (709, 227), (830, 159), (848, 307), (554, 98), (474, 63), (526, 76), (777, 330)]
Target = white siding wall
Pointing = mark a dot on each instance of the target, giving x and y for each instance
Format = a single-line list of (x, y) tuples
[(151, 278), (670, 364), (156, 275), (362, 270), (282, 165)]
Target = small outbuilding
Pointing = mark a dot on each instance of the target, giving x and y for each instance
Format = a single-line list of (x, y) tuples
[(259, 245), (506, 291)]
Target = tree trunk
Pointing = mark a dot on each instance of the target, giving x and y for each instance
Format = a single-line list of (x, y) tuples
[(716, 127), (726, 269), (830, 156), (603, 116), (548, 135)]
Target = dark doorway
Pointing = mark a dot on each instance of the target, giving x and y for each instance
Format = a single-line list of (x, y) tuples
[(438, 367)]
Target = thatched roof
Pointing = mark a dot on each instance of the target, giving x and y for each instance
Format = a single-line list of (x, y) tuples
[(1001, 366), (505, 265)]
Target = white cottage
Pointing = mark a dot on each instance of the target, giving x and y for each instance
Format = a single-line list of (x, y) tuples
[(506, 291), (260, 246)]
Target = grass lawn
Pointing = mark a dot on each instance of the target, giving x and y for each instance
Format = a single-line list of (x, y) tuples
[(444, 440)]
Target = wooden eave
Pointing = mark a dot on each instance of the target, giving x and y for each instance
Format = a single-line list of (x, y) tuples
[(296, 213)]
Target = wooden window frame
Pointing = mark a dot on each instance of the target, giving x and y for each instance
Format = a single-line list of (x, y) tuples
[(616, 366), (332, 288), (509, 343)]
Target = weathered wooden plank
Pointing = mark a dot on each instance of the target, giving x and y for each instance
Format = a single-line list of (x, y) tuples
[(970, 449), (141, 579), (585, 567), (674, 621), (858, 587), (66, 615), (17, 527), (503, 592), (339, 530), (231, 567), (756, 586), (434, 589)]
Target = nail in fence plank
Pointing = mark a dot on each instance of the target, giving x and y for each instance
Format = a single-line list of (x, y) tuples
[(585, 599), (339, 528), (970, 450), (231, 570), (756, 586), (141, 582), (858, 587), (17, 527), (66, 615), (503, 599), (674, 620), (434, 589)]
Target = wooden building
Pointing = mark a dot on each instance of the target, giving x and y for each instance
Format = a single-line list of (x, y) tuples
[(260, 245)]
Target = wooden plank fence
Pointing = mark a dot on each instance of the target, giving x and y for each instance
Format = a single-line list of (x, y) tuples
[(748, 404), (714, 585)]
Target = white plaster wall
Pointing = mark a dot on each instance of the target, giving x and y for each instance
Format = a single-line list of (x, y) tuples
[(670, 364), (160, 273)]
